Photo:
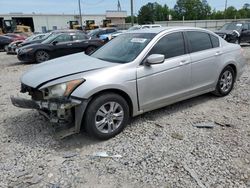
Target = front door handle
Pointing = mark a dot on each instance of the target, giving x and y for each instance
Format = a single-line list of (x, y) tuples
[(69, 44), (184, 62)]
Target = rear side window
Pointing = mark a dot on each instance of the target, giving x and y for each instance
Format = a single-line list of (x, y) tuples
[(215, 41), (199, 41), (79, 37), (171, 45), (63, 38)]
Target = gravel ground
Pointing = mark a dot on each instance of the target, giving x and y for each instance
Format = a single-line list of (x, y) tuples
[(159, 149)]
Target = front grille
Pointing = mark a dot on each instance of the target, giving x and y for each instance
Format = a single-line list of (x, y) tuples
[(33, 92)]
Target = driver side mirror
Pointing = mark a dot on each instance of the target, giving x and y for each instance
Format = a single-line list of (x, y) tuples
[(155, 59), (54, 42)]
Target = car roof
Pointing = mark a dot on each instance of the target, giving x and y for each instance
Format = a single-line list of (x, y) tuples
[(67, 31), (158, 30)]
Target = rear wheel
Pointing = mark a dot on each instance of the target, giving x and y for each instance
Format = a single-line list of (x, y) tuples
[(90, 50), (226, 82), (42, 56), (106, 116)]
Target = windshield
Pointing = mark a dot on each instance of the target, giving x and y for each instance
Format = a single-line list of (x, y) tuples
[(93, 32), (50, 38), (124, 48), (232, 26)]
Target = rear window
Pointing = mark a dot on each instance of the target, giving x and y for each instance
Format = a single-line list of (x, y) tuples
[(215, 41), (199, 41)]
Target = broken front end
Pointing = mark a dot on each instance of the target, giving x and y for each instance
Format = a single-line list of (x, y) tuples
[(56, 104)]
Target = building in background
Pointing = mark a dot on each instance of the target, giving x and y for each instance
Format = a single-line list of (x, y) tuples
[(47, 22)]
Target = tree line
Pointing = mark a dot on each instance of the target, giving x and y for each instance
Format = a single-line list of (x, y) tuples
[(189, 10)]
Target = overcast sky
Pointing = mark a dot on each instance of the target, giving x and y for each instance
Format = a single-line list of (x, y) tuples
[(91, 7)]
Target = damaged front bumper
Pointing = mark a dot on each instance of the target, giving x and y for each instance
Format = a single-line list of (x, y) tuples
[(67, 113)]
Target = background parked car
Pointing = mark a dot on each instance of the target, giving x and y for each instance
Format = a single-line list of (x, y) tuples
[(16, 36), (137, 27), (11, 49), (235, 32), (102, 33), (58, 45), (5, 41), (46, 36)]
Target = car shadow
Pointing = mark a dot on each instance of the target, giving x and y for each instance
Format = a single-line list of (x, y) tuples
[(20, 63), (20, 127), (30, 127), (176, 107)]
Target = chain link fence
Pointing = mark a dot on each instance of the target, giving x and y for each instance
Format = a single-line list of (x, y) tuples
[(207, 24)]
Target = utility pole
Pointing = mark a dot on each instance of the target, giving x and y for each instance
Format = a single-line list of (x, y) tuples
[(80, 13), (225, 9), (132, 12), (225, 6)]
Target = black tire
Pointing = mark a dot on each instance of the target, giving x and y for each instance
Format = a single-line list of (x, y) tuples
[(219, 91), (40, 59), (90, 50), (91, 116)]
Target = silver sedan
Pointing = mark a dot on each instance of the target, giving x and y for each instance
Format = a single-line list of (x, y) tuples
[(136, 72)]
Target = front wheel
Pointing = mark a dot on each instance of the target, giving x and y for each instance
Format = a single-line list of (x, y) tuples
[(106, 116), (226, 82), (42, 56)]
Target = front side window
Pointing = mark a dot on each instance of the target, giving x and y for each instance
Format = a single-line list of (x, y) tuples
[(199, 41), (171, 45)]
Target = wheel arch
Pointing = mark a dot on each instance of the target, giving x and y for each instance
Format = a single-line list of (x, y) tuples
[(115, 91), (233, 66)]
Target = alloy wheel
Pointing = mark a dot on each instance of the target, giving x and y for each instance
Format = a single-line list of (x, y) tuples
[(109, 117), (42, 56), (226, 81)]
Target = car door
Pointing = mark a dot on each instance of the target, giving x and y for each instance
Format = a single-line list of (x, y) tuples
[(161, 84), (80, 42), (62, 45), (205, 60), (245, 35)]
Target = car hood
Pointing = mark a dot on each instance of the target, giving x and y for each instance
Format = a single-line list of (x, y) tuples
[(62, 67), (228, 32), (31, 42)]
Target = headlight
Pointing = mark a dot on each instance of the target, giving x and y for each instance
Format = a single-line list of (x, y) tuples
[(26, 50), (62, 90), (225, 36)]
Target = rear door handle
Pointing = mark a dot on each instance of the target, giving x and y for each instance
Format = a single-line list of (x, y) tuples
[(184, 62), (218, 53), (69, 44)]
